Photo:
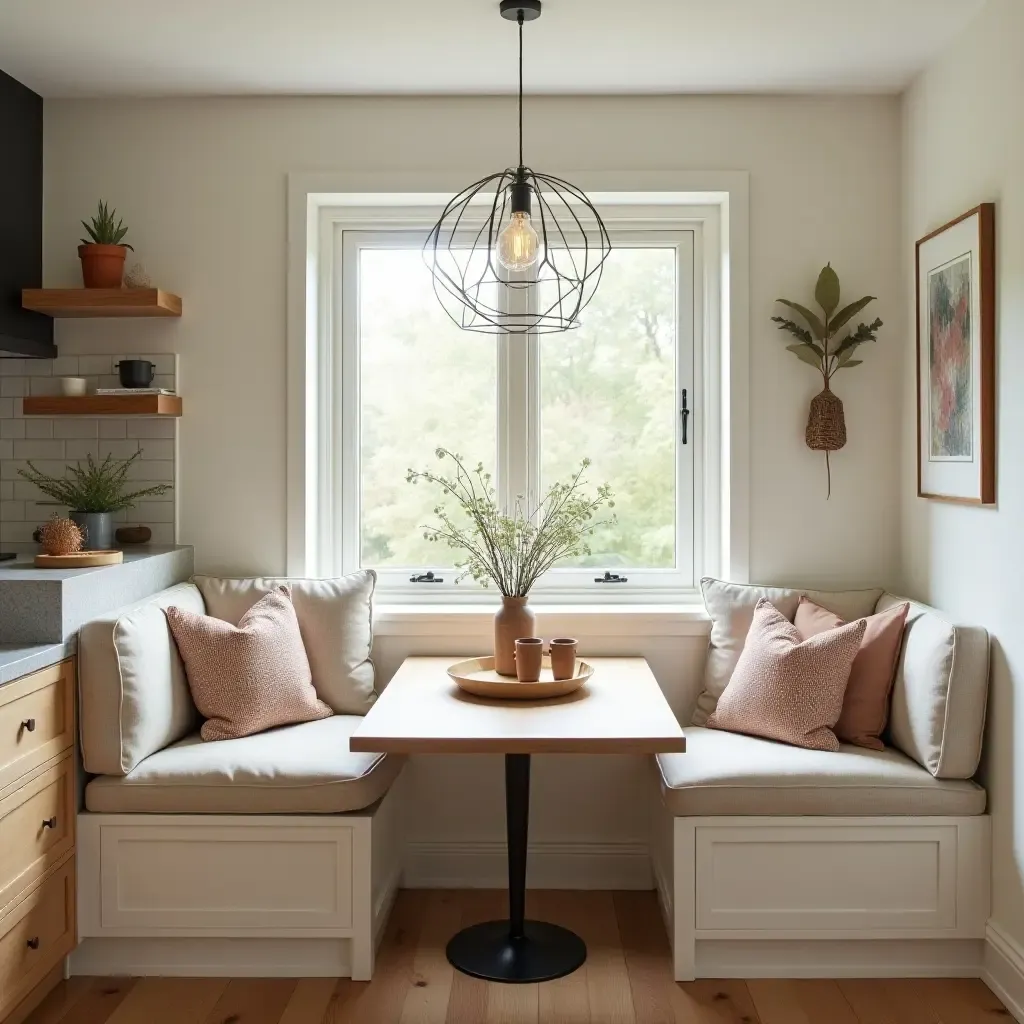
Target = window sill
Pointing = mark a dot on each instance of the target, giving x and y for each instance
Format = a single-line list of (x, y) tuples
[(552, 620)]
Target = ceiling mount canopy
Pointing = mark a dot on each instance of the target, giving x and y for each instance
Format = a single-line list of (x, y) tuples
[(520, 251)]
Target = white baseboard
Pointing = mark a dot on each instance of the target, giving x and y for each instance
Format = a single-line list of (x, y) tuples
[(1004, 969), (840, 958), (214, 958), (484, 865)]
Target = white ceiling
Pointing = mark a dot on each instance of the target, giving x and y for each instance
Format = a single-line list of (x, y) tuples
[(202, 47)]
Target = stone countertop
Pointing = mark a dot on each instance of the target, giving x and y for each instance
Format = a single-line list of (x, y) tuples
[(23, 567), (17, 661), (47, 606)]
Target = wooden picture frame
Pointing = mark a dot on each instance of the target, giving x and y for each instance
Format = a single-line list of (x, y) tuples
[(955, 292)]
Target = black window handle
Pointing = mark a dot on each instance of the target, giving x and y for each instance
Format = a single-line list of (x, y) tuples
[(611, 577), (50, 822), (426, 577), (29, 725), (684, 416)]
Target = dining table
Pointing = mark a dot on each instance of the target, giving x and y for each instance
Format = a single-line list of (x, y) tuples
[(620, 710)]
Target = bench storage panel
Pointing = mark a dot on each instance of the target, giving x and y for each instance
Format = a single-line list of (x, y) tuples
[(152, 878)]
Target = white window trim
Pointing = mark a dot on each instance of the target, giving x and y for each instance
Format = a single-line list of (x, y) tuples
[(715, 197)]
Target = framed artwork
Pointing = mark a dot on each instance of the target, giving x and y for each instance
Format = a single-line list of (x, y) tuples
[(956, 360)]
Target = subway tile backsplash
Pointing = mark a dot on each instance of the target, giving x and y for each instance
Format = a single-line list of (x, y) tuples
[(53, 443)]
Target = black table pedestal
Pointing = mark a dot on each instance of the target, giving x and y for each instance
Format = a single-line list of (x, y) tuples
[(516, 950)]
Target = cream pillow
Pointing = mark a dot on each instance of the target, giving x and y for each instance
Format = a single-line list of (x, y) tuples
[(787, 688), (133, 695), (334, 618), (250, 677)]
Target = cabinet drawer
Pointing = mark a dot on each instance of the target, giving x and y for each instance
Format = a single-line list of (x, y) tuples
[(35, 934), (37, 719), (37, 826)]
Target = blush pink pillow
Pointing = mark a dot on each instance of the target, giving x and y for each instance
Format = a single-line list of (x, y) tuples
[(249, 677), (866, 704), (787, 688)]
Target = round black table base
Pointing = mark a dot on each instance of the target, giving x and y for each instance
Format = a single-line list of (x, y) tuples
[(545, 952)]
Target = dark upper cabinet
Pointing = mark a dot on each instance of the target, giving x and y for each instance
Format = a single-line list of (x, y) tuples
[(21, 219)]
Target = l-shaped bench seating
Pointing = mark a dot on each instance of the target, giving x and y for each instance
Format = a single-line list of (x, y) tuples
[(772, 860), (280, 853)]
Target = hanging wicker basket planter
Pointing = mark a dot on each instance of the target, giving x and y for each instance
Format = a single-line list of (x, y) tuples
[(817, 345), (826, 427)]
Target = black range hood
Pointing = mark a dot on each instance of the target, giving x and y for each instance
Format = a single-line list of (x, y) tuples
[(22, 333)]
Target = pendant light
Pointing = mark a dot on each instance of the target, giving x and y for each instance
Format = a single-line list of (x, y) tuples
[(517, 252)]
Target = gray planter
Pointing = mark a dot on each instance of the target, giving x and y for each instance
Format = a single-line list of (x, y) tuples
[(98, 528)]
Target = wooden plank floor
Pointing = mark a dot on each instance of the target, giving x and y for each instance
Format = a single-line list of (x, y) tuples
[(627, 979)]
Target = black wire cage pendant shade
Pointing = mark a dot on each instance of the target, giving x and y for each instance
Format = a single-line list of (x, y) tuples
[(517, 252)]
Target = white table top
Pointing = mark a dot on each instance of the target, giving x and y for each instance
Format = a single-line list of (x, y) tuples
[(620, 710)]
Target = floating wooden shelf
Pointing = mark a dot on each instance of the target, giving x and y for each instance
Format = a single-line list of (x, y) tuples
[(101, 405), (101, 302)]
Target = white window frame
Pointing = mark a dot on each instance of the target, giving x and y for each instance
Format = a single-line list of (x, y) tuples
[(717, 203)]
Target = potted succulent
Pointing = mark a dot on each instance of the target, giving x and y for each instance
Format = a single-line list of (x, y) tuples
[(513, 551), (94, 493), (103, 257)]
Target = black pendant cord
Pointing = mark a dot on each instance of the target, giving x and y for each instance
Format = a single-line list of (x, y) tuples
[(519, 21)]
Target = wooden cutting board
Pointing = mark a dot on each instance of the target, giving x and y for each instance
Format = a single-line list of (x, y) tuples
[(79, 560)]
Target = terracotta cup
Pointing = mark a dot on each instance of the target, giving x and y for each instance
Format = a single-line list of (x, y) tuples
[(563, 657), (529, 656)]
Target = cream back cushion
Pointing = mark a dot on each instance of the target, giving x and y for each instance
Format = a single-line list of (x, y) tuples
[(134, 696), (731, 607), (940, 693), (334, 619)]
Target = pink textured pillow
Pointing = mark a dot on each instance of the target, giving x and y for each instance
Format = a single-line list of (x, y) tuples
[(249, 677), (786, 688), (866, 703)]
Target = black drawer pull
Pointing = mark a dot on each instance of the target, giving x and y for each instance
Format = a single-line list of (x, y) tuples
[(29, 725), (33, 943), (50, 822)]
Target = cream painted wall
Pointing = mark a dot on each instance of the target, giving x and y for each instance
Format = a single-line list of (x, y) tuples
[(202, 185), (963, 145)]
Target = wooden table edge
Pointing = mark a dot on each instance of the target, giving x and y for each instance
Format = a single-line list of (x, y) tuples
[(516, 745)]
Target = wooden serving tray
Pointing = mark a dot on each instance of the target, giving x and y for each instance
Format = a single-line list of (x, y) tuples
[(79, 560), (477, 676)]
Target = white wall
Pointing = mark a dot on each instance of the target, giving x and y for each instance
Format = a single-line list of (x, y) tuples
[(963, 145), (202, 184)]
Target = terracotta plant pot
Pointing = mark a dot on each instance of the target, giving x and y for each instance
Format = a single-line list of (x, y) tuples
[(513, 620), (102, 265)]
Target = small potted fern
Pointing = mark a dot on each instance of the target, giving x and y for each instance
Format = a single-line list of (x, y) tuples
[(103, 257), (93, 494)]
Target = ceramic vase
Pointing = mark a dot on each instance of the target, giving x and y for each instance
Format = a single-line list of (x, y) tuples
[(513, 620), (97, 529)]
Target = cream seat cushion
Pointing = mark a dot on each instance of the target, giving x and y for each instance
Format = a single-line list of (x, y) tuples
[(297, 769), (730, 774), (334, 619)]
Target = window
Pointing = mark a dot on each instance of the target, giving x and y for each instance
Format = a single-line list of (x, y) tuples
[(624, 389)]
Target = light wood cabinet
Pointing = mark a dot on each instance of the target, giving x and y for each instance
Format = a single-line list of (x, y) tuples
[(37, 835), (37, 719), (37, 933)]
